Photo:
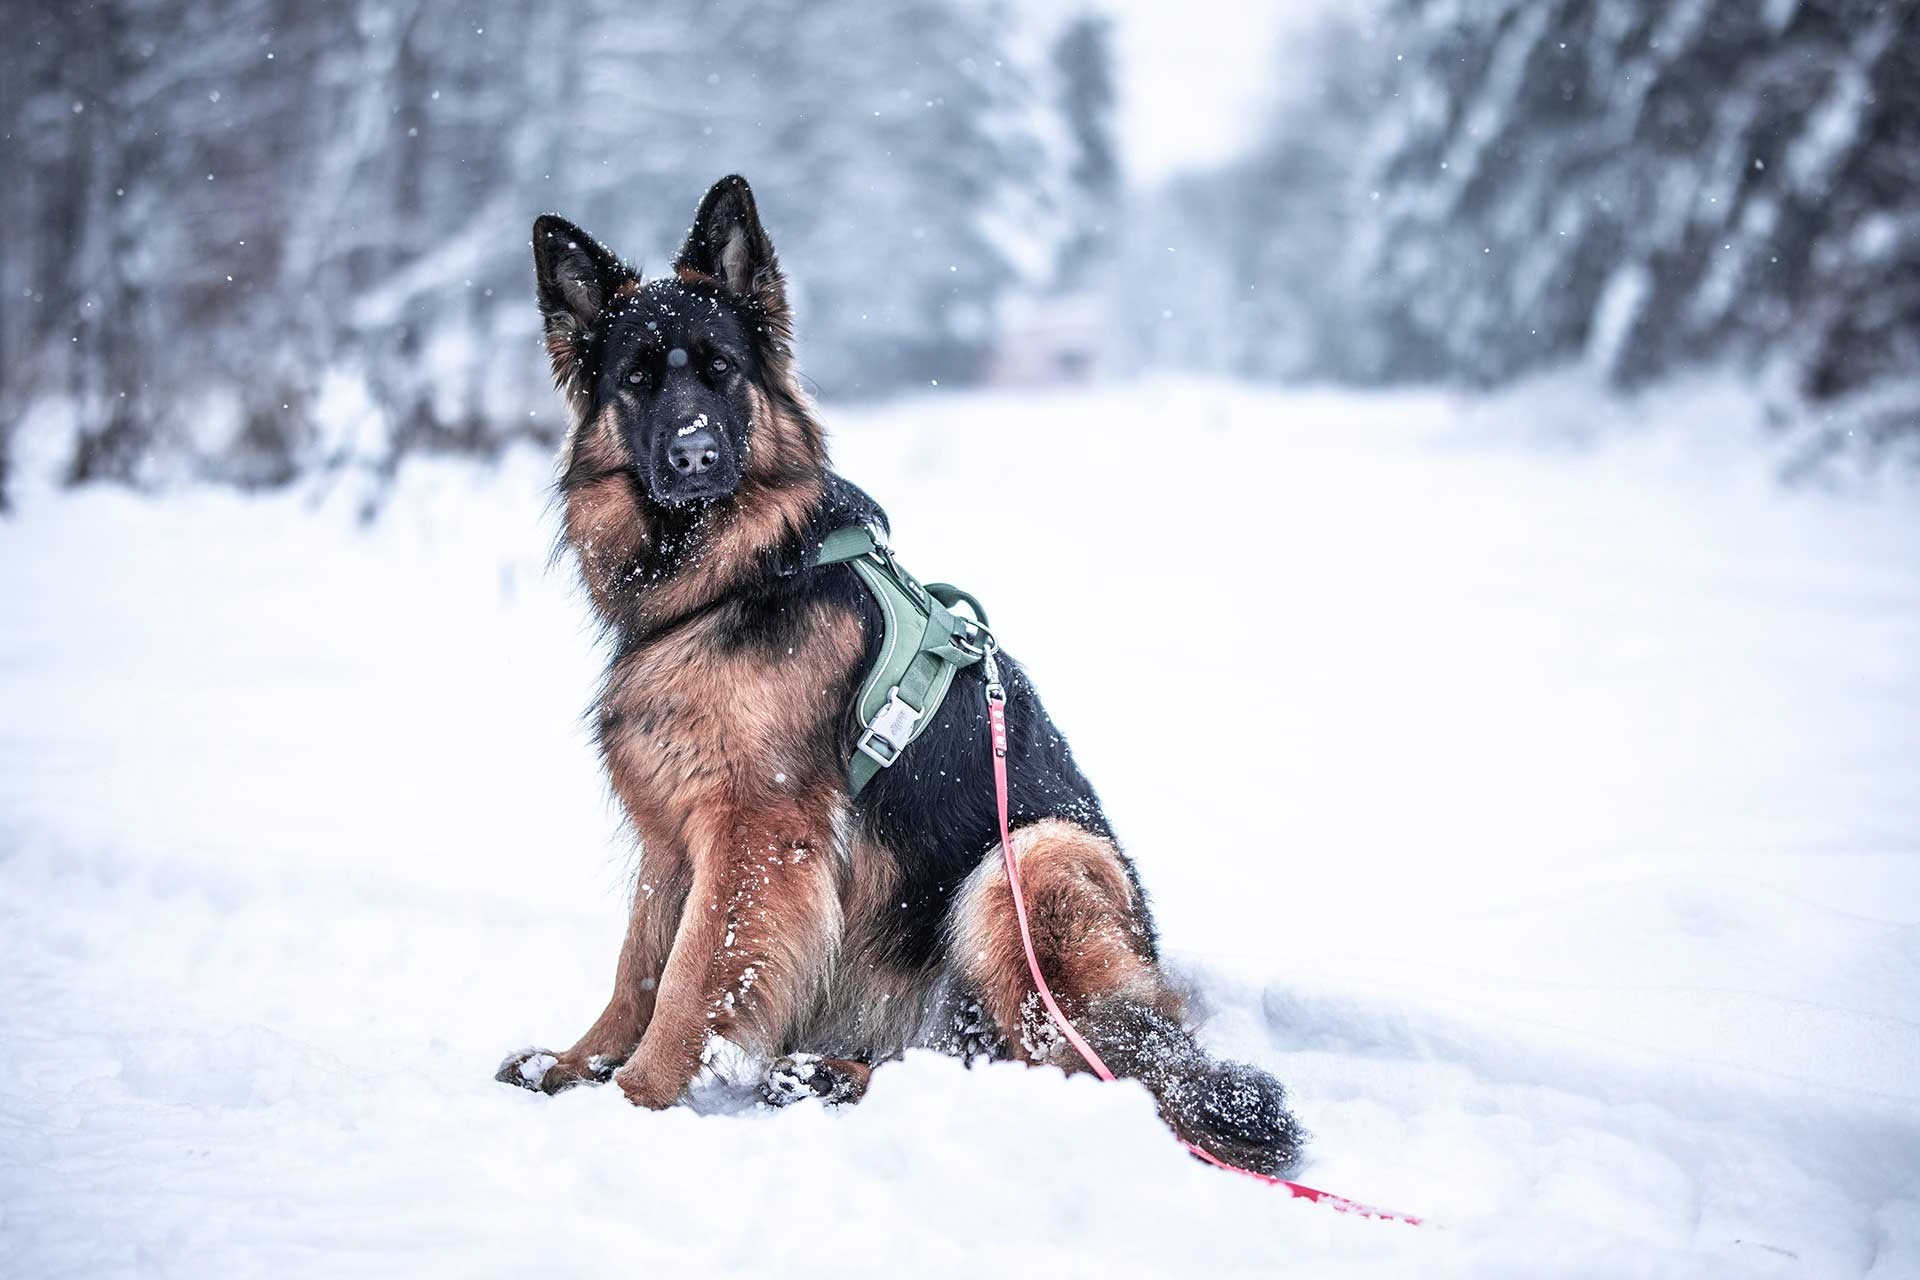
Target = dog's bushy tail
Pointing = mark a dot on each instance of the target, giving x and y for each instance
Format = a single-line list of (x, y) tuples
[(1232, 1110)]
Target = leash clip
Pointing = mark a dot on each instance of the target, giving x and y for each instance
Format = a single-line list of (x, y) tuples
[(996, 692)]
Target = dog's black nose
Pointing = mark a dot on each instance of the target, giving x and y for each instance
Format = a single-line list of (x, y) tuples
[(694, 452)]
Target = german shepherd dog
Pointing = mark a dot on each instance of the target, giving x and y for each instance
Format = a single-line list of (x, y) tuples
[(821, 934)]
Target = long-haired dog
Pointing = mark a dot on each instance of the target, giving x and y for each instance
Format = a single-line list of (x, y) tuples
[(821, 933)]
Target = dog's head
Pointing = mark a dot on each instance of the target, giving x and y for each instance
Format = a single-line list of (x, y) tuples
[(687, 380)]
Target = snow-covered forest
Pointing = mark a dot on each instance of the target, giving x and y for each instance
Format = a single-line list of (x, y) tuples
[(251, 239), (269, 237), (1470, 190), (1452, 468)]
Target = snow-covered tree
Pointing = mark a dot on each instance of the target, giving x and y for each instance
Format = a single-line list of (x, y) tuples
[(254, 237), (1083, 64), (1644, 185)]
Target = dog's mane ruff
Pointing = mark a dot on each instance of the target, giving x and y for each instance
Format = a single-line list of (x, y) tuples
[(644, 566), (568, 346)]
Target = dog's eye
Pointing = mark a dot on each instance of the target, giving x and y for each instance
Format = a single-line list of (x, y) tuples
[(636, 377), (719, 366)]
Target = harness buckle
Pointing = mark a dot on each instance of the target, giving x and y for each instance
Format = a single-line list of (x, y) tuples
[(891, 728)]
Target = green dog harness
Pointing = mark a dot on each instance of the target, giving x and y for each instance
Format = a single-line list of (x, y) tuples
[(922, 644)]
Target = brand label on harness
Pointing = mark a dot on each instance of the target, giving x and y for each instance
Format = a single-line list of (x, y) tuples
[(895, 722)]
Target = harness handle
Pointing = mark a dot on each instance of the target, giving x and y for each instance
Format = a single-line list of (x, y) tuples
[(949, 595)]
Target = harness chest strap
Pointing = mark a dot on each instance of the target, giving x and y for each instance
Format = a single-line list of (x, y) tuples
[(923, 644)]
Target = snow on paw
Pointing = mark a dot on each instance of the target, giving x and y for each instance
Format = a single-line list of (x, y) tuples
[(790, 1079), (527, 1068), (545, 1072), (800, 1076)]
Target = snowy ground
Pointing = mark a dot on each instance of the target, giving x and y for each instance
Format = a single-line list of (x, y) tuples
[(1546, 815)]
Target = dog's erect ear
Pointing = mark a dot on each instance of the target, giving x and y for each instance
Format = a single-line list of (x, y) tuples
[(577, 277), (728, 243), (577, 274)]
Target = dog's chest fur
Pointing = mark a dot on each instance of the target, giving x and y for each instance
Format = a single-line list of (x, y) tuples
[(735, 711)]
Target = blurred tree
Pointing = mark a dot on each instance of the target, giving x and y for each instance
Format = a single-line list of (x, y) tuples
[(882, 180), (249, 238), (1645, 185), (1249, 268), (1083, 61)]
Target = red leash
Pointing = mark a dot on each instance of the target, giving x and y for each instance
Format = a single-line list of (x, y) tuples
[(997, 723)]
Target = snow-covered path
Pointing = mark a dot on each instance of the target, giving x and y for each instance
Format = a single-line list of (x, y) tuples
[(1547, 818)]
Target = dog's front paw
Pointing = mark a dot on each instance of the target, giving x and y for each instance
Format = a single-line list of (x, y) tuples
[(545, 1072), (800, 1076)]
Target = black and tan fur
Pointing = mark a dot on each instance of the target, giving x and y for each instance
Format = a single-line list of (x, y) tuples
[(820, 933)]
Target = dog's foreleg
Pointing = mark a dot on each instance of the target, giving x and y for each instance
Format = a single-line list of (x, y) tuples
[(669, 1051), (614, 1035), (610, 1041), (755, 941)]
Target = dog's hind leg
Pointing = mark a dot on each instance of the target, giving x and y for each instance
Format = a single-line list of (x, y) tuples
[(1090, 935), (799, 1076), (611, 1040)]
